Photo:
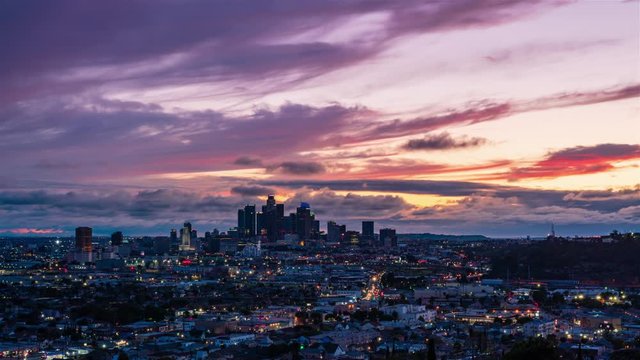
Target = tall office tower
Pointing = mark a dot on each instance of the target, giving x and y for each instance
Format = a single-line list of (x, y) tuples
[(250, 220), (271, 201), (281, 228), (84, 237), (173, 235), (212, 245), (315, 229), (289, 224), (388, 237), (304, 221), (241, 224), (342, 231), (260, 224), (272, 219), (194, 235), (116, 238), (367, 232), (186, 238), (212, 241), (333, 232)]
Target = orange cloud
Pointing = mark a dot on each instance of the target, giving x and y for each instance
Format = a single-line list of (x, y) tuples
[(577, 160)]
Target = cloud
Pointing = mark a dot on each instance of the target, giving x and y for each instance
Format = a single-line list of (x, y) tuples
[(484, 111), (280, 41), (581, 98), (142, 142), (298, 168), (146, 208), (135, 139), (578, 160), (31, 231), (487, 110), (508, 209), (331, 206), (248, 161), (535, 51), (252, 190), (601, 200), (443, 141), (517, 212), (157, 211), (444, 188)]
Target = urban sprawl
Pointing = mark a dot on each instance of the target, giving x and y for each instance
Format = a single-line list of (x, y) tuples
[(277, 287)]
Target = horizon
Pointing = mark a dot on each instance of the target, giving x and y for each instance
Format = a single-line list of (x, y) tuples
[(462, 117)]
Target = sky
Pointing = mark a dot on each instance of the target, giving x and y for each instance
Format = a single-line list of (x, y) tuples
[(494, 117)]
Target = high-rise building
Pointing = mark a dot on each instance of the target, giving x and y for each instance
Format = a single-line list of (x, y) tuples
[(117, 238), (84, 238), (173, 236), (333, 232), (185, 228), (280, 225), (315, 229), (272, 220), (304, 221), (185, 233), (367, 232), (388, 237), (260, 224), (271, 201), (241, 225), (249, 220), (212, 241), (289, 224)]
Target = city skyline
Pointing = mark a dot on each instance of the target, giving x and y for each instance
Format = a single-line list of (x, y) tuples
[(466, 117)]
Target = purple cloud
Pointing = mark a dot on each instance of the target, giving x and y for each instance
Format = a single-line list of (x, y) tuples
[(202, 41), (443, 141), (298, 168)]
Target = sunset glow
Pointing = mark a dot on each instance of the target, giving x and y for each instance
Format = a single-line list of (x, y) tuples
[(491, 117)]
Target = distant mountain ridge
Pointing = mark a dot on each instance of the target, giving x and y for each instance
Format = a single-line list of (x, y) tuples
[(429, 236)]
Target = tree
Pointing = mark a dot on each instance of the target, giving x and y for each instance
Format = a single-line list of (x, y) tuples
[(431, 350), (533, 349), (539, 296)]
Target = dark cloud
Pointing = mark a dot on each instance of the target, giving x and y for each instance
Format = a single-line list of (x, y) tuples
[(496, 209), (603, 201), (252, 190), (516, 212), (443, 141), (327, 205), (146, 203), (298, 168), (444, 188), (248, 161)]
